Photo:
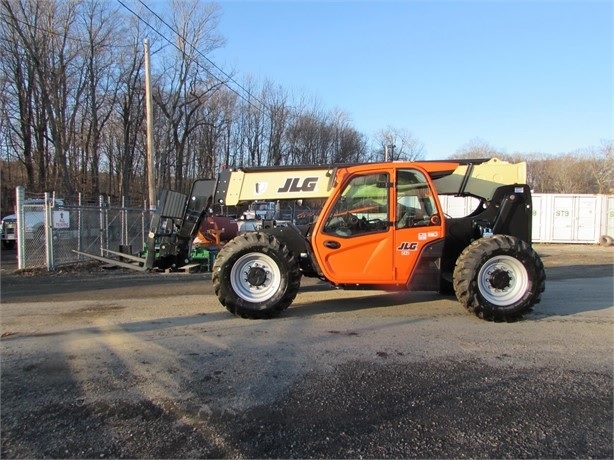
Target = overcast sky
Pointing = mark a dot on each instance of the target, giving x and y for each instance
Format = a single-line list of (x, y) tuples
[(523, 76)]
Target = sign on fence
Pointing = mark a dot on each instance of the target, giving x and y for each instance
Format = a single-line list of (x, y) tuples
[(61, 219)]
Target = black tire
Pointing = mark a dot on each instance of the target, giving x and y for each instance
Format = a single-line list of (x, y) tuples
[(499, 278), (255, 276)]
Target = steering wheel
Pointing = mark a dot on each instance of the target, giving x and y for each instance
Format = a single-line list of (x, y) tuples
[(351, 220)]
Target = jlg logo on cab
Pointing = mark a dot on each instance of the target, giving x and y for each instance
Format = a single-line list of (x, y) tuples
[(406, 247)]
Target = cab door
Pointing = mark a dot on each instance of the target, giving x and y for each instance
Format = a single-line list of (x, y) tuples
[(354, 241), (417, 224)]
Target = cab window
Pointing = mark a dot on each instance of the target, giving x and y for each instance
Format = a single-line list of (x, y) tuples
[(415, 203), (361, 208)]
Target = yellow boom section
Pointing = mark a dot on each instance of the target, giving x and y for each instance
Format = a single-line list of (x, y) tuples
[(482, 179), (450, 177), (279, 184)]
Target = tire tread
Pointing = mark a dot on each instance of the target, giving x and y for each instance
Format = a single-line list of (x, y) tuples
[(469, 263), (262, 242)]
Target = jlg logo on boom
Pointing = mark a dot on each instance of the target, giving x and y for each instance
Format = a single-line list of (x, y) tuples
[(293, 185)]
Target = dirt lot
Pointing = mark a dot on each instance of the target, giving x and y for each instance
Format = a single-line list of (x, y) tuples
[(106, 363)]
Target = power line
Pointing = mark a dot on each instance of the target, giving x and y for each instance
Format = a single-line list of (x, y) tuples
[(200, 53), (187, 42)]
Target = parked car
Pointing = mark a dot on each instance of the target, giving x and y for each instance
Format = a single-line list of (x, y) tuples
[(34, 224)]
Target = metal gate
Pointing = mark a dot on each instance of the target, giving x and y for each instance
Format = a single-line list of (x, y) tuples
[(47, 233)]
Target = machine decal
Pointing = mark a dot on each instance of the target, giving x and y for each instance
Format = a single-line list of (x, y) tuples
[(292, 185), (422, 236), (261, 187), (406, 246)]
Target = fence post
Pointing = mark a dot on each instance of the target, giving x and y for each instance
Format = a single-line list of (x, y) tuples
[(20, 240), (124, 214), (101, 223), (48, 232), (79, 226), (106, 222), (144, 226)]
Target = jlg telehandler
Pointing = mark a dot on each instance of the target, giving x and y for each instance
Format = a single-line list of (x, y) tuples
[(381, 227)]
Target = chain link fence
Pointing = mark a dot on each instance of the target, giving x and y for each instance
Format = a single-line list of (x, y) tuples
[(49, 232)]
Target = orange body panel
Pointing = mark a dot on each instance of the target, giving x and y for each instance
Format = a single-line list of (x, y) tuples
[(384, 258), (409, 242), (363, 260)]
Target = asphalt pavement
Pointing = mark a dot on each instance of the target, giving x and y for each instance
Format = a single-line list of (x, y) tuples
[(115, 365)]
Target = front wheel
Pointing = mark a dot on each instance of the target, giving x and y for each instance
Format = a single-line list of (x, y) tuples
[(499, 278), (256, 276)]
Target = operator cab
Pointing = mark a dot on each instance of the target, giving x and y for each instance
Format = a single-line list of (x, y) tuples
[(376, 230)]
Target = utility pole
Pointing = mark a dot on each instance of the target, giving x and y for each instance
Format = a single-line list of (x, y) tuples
[(391, 147), (151, 178)]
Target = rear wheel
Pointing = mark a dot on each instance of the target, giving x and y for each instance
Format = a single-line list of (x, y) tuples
[(256, 276), (499, 278)]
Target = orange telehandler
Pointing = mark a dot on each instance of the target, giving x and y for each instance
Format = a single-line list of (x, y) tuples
[(382, 226)]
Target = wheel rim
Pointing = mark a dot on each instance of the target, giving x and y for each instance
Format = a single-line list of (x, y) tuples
[(503, 280), (255, 277)]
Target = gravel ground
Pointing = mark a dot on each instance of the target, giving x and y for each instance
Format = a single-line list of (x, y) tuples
[(109, 364)]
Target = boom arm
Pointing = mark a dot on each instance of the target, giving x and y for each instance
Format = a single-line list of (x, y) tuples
[(482, 178), (478, 178), (277, 183)]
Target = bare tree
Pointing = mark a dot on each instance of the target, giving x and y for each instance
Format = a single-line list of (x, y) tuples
[(305, 139), (399, 143), (252, 126), (127, 132), (20, 109), (227, 108), (601, 166), (47, 31), (212, 138), (538, 173), (186, 81), (588, 170), (99, 30), (72, 107), (349, 145), (478, 148), (278, 114)]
